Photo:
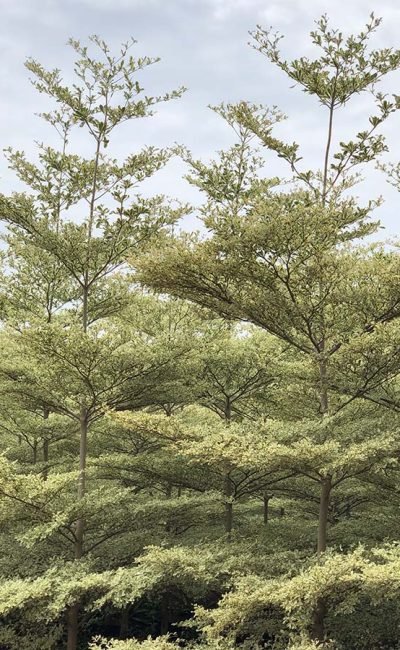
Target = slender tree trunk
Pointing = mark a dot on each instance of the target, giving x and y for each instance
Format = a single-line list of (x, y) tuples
[(228, 410), (266, 499), (72, 627), (73, 612), (327, 151), (326, 486), (85, 308), (46, 414), (83, 417), (326, 482), (228, 487), (323, 396), (318, 623), (34, 452), (228, 490), (80, 524), (45, 458)]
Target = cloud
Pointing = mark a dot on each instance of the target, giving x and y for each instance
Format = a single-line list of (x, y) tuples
[(114, 5), (203, 45), (224, 9), (20, 11)]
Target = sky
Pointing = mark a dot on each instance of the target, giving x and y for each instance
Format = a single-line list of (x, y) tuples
[(203, 45)]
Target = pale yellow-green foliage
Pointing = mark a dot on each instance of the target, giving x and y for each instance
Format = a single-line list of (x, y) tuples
[(160, 643)]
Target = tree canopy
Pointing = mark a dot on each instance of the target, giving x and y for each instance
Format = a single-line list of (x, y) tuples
[(200, 432)]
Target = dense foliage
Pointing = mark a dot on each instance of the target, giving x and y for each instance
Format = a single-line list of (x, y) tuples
[(200, 432)]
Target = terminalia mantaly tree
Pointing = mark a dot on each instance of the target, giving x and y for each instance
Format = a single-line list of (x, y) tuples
[(86, 216), (281, 258)]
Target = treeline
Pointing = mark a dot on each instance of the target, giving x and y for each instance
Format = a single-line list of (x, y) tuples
[(200, 431)]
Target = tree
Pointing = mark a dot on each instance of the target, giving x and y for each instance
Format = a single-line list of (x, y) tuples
[(283, 259), (89, 251), (139, 432)]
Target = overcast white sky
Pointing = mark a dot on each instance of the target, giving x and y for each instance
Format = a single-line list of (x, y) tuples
[(203, 45)]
